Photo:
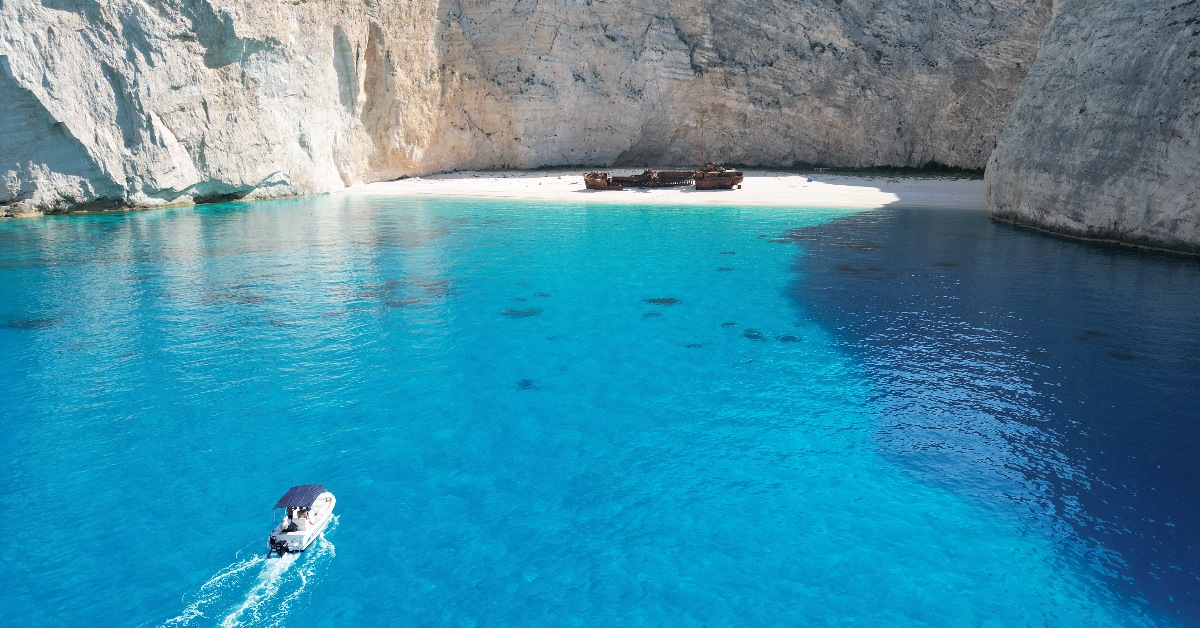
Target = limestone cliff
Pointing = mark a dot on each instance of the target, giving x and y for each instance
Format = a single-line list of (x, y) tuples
[(1104, 141), (769, 82), (145, 102)]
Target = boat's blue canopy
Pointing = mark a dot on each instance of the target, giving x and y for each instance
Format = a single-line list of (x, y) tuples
[(302, 496)]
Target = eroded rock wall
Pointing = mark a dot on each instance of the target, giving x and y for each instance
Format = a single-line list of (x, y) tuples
[(838, 82), (1104, 141), (147, 102)]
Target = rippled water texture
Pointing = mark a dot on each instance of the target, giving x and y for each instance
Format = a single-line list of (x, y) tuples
[(549, 414)]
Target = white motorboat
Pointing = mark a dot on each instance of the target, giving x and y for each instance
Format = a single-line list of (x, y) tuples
[(309, 508)]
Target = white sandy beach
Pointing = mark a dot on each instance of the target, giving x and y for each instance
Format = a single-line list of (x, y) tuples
[(760, 188)]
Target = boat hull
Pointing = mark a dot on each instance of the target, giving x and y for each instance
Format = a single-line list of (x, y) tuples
[(290, 537), (676, 178), (714, 177), (600, 181), (600, 185), (718, 183)]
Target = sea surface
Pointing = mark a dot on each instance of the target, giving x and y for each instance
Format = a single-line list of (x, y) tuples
[(556, 414)]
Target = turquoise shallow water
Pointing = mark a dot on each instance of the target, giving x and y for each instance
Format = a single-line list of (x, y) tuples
[(552, 414)]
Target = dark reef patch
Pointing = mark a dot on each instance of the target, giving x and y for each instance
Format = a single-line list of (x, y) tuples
[(377, 290), (526, 384), (437, 288), (788, 339), (725, 269), (401, 302), (752, 334), (652, 315), (847, 269), (667, 301), (693, 345), (513, 312), (728, 324), (1122, 353), (728, 253), (946, 264), (30, 323), (541, 294), (1091, 334)]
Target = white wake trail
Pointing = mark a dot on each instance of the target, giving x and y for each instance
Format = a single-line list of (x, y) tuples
[(311, 570), (260, 590), (265, 588), (211, 591)]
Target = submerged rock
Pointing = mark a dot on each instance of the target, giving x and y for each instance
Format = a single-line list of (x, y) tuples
[(513, 312), (437, 288), (30, 323), (1122, 353)]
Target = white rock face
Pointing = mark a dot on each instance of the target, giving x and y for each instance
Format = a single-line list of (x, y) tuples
[(143, 103), (147, 102), (837, 82), (1104, 141)]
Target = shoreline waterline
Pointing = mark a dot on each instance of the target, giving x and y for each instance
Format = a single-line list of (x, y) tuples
[(767, 188), (761, 188)]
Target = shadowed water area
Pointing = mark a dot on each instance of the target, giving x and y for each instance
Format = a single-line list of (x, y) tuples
[(563, 415), (1033, 373)]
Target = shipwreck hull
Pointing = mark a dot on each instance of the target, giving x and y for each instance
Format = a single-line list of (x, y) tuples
[(600, 181)]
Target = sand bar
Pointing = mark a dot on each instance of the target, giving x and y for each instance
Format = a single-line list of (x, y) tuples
[(760, 188)]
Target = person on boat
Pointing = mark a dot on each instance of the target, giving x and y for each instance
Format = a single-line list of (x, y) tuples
[(291, 519)]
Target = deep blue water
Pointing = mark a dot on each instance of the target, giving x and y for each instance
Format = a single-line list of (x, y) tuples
[(552, 414)]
